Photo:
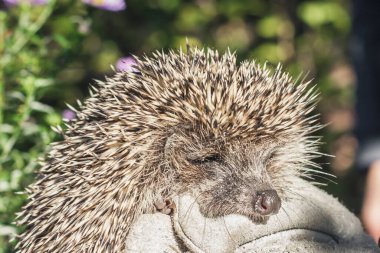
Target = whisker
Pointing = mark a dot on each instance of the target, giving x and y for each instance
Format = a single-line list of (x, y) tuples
[(187, 214), (204, 230), (228, 231), (287, 214), (304, 198)]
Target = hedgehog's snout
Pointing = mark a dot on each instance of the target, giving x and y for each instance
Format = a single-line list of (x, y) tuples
[(267, 202)]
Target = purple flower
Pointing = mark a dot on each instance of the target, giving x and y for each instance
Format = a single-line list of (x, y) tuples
[(17, 2), (109, 5), (10, 2), (68, 115), (39, 2), (126, 64)]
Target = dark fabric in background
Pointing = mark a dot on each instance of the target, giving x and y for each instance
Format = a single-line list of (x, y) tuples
[(365, 52)]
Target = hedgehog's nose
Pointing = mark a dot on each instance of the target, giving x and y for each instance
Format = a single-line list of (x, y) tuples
[(267, 202)]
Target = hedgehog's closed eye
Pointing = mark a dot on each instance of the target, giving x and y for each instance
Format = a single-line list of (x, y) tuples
[(208, 158)]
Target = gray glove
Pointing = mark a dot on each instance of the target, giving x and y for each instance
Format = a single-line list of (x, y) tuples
[(312, 221)]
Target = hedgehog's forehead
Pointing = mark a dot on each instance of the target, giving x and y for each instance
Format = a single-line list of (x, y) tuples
[(195, 140), (202, 89)]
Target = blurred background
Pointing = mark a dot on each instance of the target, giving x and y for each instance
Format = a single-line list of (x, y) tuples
[(50, 51)]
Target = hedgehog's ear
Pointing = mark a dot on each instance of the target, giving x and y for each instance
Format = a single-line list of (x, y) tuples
[(177, 139)]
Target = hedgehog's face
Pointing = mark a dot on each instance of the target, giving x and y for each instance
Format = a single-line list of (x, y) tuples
[(237, 178)]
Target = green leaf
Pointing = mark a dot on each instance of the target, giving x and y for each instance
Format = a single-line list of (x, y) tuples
[(43, 82), (6, 128), (318, 13), (271, 52), (62, 41), (269, 26), (40, 107)]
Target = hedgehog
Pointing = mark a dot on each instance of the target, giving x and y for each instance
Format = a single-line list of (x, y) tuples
[(233, 135)]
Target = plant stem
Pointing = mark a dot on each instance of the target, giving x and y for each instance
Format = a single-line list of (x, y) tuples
[(22, 39), (2, 42), (33, 28)]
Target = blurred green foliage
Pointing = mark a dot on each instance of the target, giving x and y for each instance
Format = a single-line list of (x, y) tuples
[(50, 53)]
